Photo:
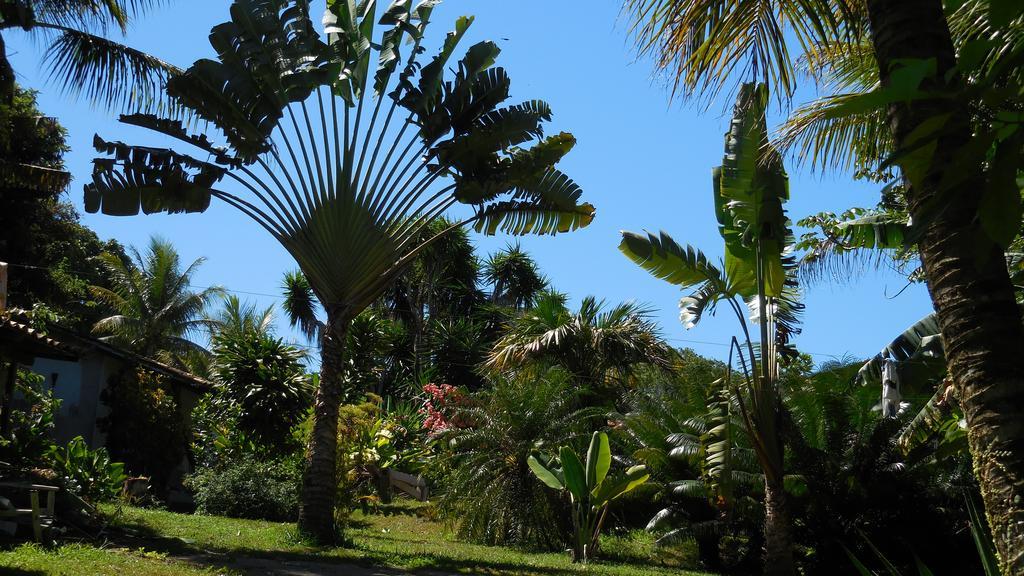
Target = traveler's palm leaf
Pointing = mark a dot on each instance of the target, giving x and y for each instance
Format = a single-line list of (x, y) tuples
[(344, 178)]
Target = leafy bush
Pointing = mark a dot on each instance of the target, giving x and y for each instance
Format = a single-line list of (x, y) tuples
[(89, 473), (30, 429), (492, 494), (264, 386), (249, 488)]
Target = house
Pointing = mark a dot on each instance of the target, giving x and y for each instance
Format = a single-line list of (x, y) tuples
[(77, 368)]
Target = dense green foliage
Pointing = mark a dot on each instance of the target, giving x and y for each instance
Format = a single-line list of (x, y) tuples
[(491, 493), (262, 384), (50, 252), (248, 488), (31, 428), (89, 473)]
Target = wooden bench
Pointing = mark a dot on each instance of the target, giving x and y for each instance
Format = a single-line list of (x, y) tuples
[(414, 486), (35, 514)]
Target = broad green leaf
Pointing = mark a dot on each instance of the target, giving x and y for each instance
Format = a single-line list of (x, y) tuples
[(664, 258), (750, 188), (905, 346), (599, 460), (612, 489), (572, 469), (546, 476), (1000, 207), (877, 231)]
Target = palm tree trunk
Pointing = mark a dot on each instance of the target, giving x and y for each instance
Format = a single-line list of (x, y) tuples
[(778, 538), (966, 272), (319, 480)]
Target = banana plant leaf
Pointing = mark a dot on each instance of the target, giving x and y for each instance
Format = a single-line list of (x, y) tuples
[(750, 189)]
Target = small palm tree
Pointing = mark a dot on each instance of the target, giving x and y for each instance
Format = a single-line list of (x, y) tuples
[(237, 317), (155, 313), (514, 276), (492, 493), (80, 56), (598, 346), (346, 165)]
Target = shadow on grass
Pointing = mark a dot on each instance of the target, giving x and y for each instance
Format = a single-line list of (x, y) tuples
[(139, 535), (20, 572)]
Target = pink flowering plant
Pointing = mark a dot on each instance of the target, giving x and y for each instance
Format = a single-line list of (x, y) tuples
[(441, 407)]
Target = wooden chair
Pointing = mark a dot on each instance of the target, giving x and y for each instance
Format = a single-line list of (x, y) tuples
[(39, 517)]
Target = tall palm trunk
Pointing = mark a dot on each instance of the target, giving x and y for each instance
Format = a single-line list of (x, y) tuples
[(778, 538), (966, 274), (778, 527), (319, 481)]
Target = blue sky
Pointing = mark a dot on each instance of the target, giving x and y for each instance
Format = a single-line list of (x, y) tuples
[(643, 162)]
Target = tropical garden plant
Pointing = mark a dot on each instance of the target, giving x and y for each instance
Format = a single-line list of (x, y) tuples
[(88, 473), (343, 163), (262, 382), (589, 487), (847, 465), (597, 345), (687, 428), (27, 434), (749, 191), (515, 277), (487, 439), (935, 65)]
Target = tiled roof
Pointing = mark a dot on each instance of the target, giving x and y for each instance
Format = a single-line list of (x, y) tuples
[(19, 338), (17, 335)]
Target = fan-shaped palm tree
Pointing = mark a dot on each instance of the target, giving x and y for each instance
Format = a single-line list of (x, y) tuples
[(927, 94), (346, 164), (154, 310), (598, 346), (80, 56)]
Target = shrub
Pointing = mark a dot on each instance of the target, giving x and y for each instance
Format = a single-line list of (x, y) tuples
[(249, 488), (442, 406), (263, 383), (29, 437), (89, 473)]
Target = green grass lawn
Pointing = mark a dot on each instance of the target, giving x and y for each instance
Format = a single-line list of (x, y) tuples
[(158, 543)]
